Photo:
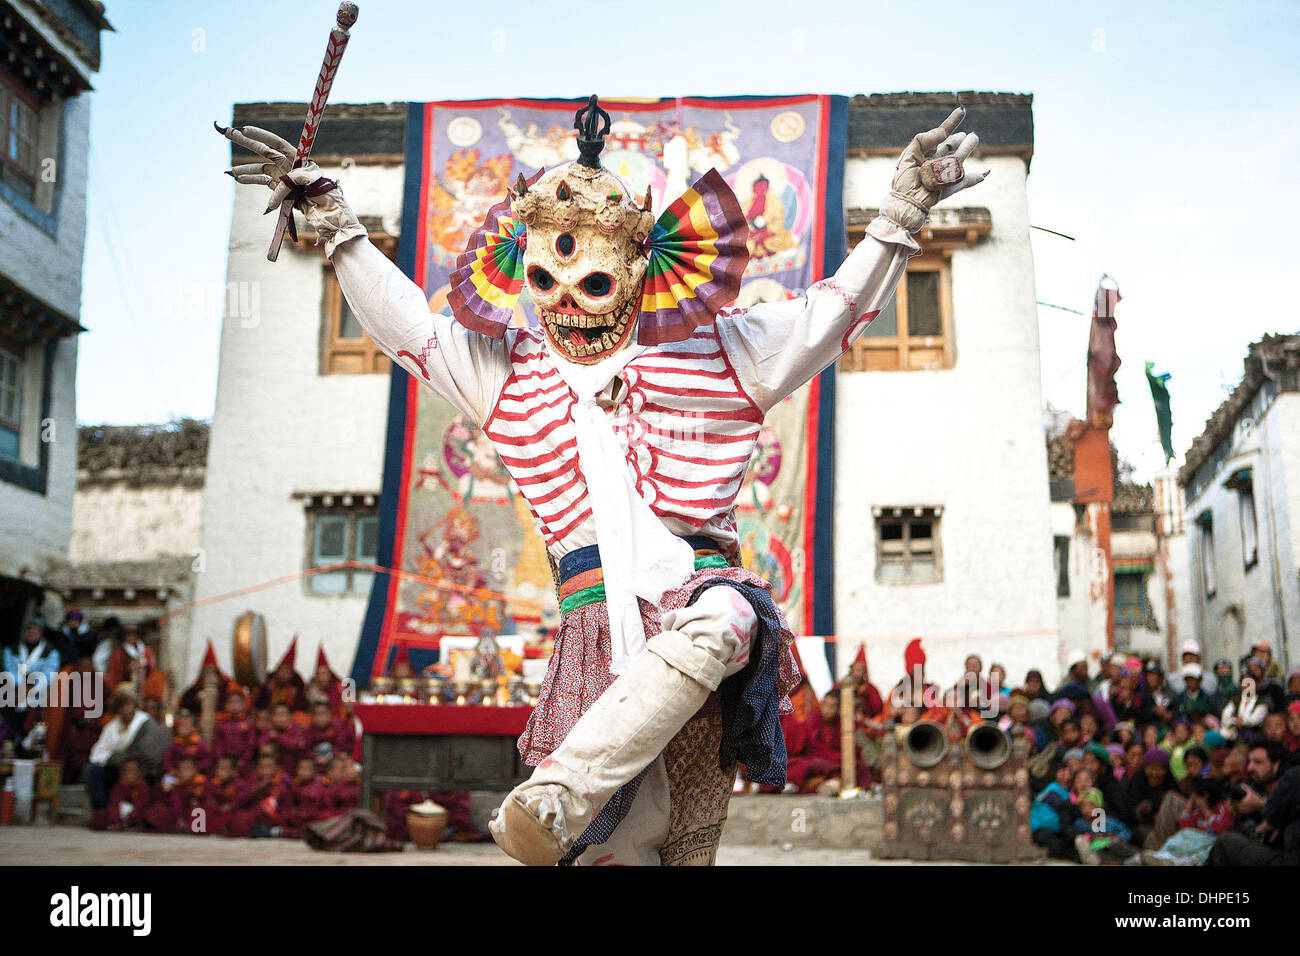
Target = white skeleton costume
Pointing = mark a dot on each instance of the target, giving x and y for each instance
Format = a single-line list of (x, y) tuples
[(627, 421)]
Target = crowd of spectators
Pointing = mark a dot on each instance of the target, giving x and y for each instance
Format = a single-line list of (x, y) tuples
[(274, 759), (102, 659), (1129, 765)]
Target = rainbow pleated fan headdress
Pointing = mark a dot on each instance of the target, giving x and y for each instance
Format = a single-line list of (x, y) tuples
[(684, 267)]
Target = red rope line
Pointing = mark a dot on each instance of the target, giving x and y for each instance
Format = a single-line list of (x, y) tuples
[(356, 566), (490, 595)]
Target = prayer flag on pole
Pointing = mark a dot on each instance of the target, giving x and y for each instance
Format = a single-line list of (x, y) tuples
[(1164, 419), (1103, 360)]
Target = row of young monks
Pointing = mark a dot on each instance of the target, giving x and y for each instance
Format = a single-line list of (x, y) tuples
[(270, 773), (268, 802)]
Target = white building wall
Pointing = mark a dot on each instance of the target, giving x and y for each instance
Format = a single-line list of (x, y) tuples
[(35, 528), (280, 427), (968, 438), (49, 266), (1262, 601), (1283, 434), (1081, 619), (117, 522)]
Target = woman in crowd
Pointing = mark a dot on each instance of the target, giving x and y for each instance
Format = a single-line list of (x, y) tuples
[(130, 735), (1244, 714)]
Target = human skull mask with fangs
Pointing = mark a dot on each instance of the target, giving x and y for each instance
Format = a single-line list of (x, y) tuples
[(585, 262)]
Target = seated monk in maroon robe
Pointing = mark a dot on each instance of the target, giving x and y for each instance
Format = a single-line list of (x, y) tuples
[(187, 742), (222, 796), (304, 778), (325, 685), (289, 736), (325, 797), (283, 687), (192, 699), (128, 801), (349, 787), (235, 735), (818, 758), (396, 803), (326, 728), (265, 803), (177, 800)]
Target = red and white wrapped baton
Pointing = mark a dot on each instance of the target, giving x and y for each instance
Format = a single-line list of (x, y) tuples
[(338, 42)]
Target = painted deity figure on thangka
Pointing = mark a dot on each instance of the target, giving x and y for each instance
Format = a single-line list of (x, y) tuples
[(627, 421)]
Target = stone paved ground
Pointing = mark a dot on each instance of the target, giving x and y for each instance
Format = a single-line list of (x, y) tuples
[(75, 846)]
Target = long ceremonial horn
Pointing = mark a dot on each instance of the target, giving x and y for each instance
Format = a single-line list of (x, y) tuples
[(338, 42)]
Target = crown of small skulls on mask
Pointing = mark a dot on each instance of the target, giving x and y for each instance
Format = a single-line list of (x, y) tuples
[(584, 255)]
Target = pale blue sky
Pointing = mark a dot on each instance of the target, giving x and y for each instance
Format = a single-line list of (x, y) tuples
[(1166, 142)]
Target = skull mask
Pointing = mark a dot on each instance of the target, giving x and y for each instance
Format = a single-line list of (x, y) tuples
[(584, 261), (596, 263)]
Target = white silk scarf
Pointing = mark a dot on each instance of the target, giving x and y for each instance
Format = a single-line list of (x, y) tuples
[(639, 557)]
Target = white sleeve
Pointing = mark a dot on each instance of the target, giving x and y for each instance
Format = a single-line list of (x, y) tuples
[(777, 346), (1254, 717), (106, 745), (465, 368)]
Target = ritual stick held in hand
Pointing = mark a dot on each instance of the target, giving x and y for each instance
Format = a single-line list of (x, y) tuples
[(338, 42)]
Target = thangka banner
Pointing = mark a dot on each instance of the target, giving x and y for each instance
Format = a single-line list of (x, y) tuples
[(449, 513)]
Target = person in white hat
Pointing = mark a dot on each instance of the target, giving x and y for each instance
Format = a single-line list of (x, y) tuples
[(1111, 672), (1076, 667), (1194, 701), (1190, 654)]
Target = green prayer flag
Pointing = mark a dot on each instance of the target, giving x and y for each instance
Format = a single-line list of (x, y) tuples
[(1160, 395)]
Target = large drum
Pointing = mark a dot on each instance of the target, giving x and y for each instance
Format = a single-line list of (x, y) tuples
[(248, 649)]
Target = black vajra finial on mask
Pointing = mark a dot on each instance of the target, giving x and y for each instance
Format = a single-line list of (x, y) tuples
[(591, 132)]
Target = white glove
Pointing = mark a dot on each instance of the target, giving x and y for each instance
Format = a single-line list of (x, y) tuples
[(320, 199), (909, 201)]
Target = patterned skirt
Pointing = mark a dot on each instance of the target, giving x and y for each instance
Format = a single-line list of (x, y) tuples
[(579, 668)]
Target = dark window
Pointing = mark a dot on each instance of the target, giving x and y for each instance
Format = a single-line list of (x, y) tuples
[(923, 304), (1249, 526), (907, 546), (1061, 553), (1205, 525)]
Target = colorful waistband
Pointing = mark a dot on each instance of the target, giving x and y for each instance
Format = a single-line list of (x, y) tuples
[(582, 581)]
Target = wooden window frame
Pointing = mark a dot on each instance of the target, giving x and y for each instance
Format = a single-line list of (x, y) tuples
[(908, 516), (340, 356), (353, 514), (904, 352), (1129, 614), (14, 355), (10, 90)]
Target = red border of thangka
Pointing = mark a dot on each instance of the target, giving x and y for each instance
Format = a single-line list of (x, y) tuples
[(377, 666), (818, 242)]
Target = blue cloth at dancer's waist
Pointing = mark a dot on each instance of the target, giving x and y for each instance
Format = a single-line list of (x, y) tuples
[(584, 559)]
